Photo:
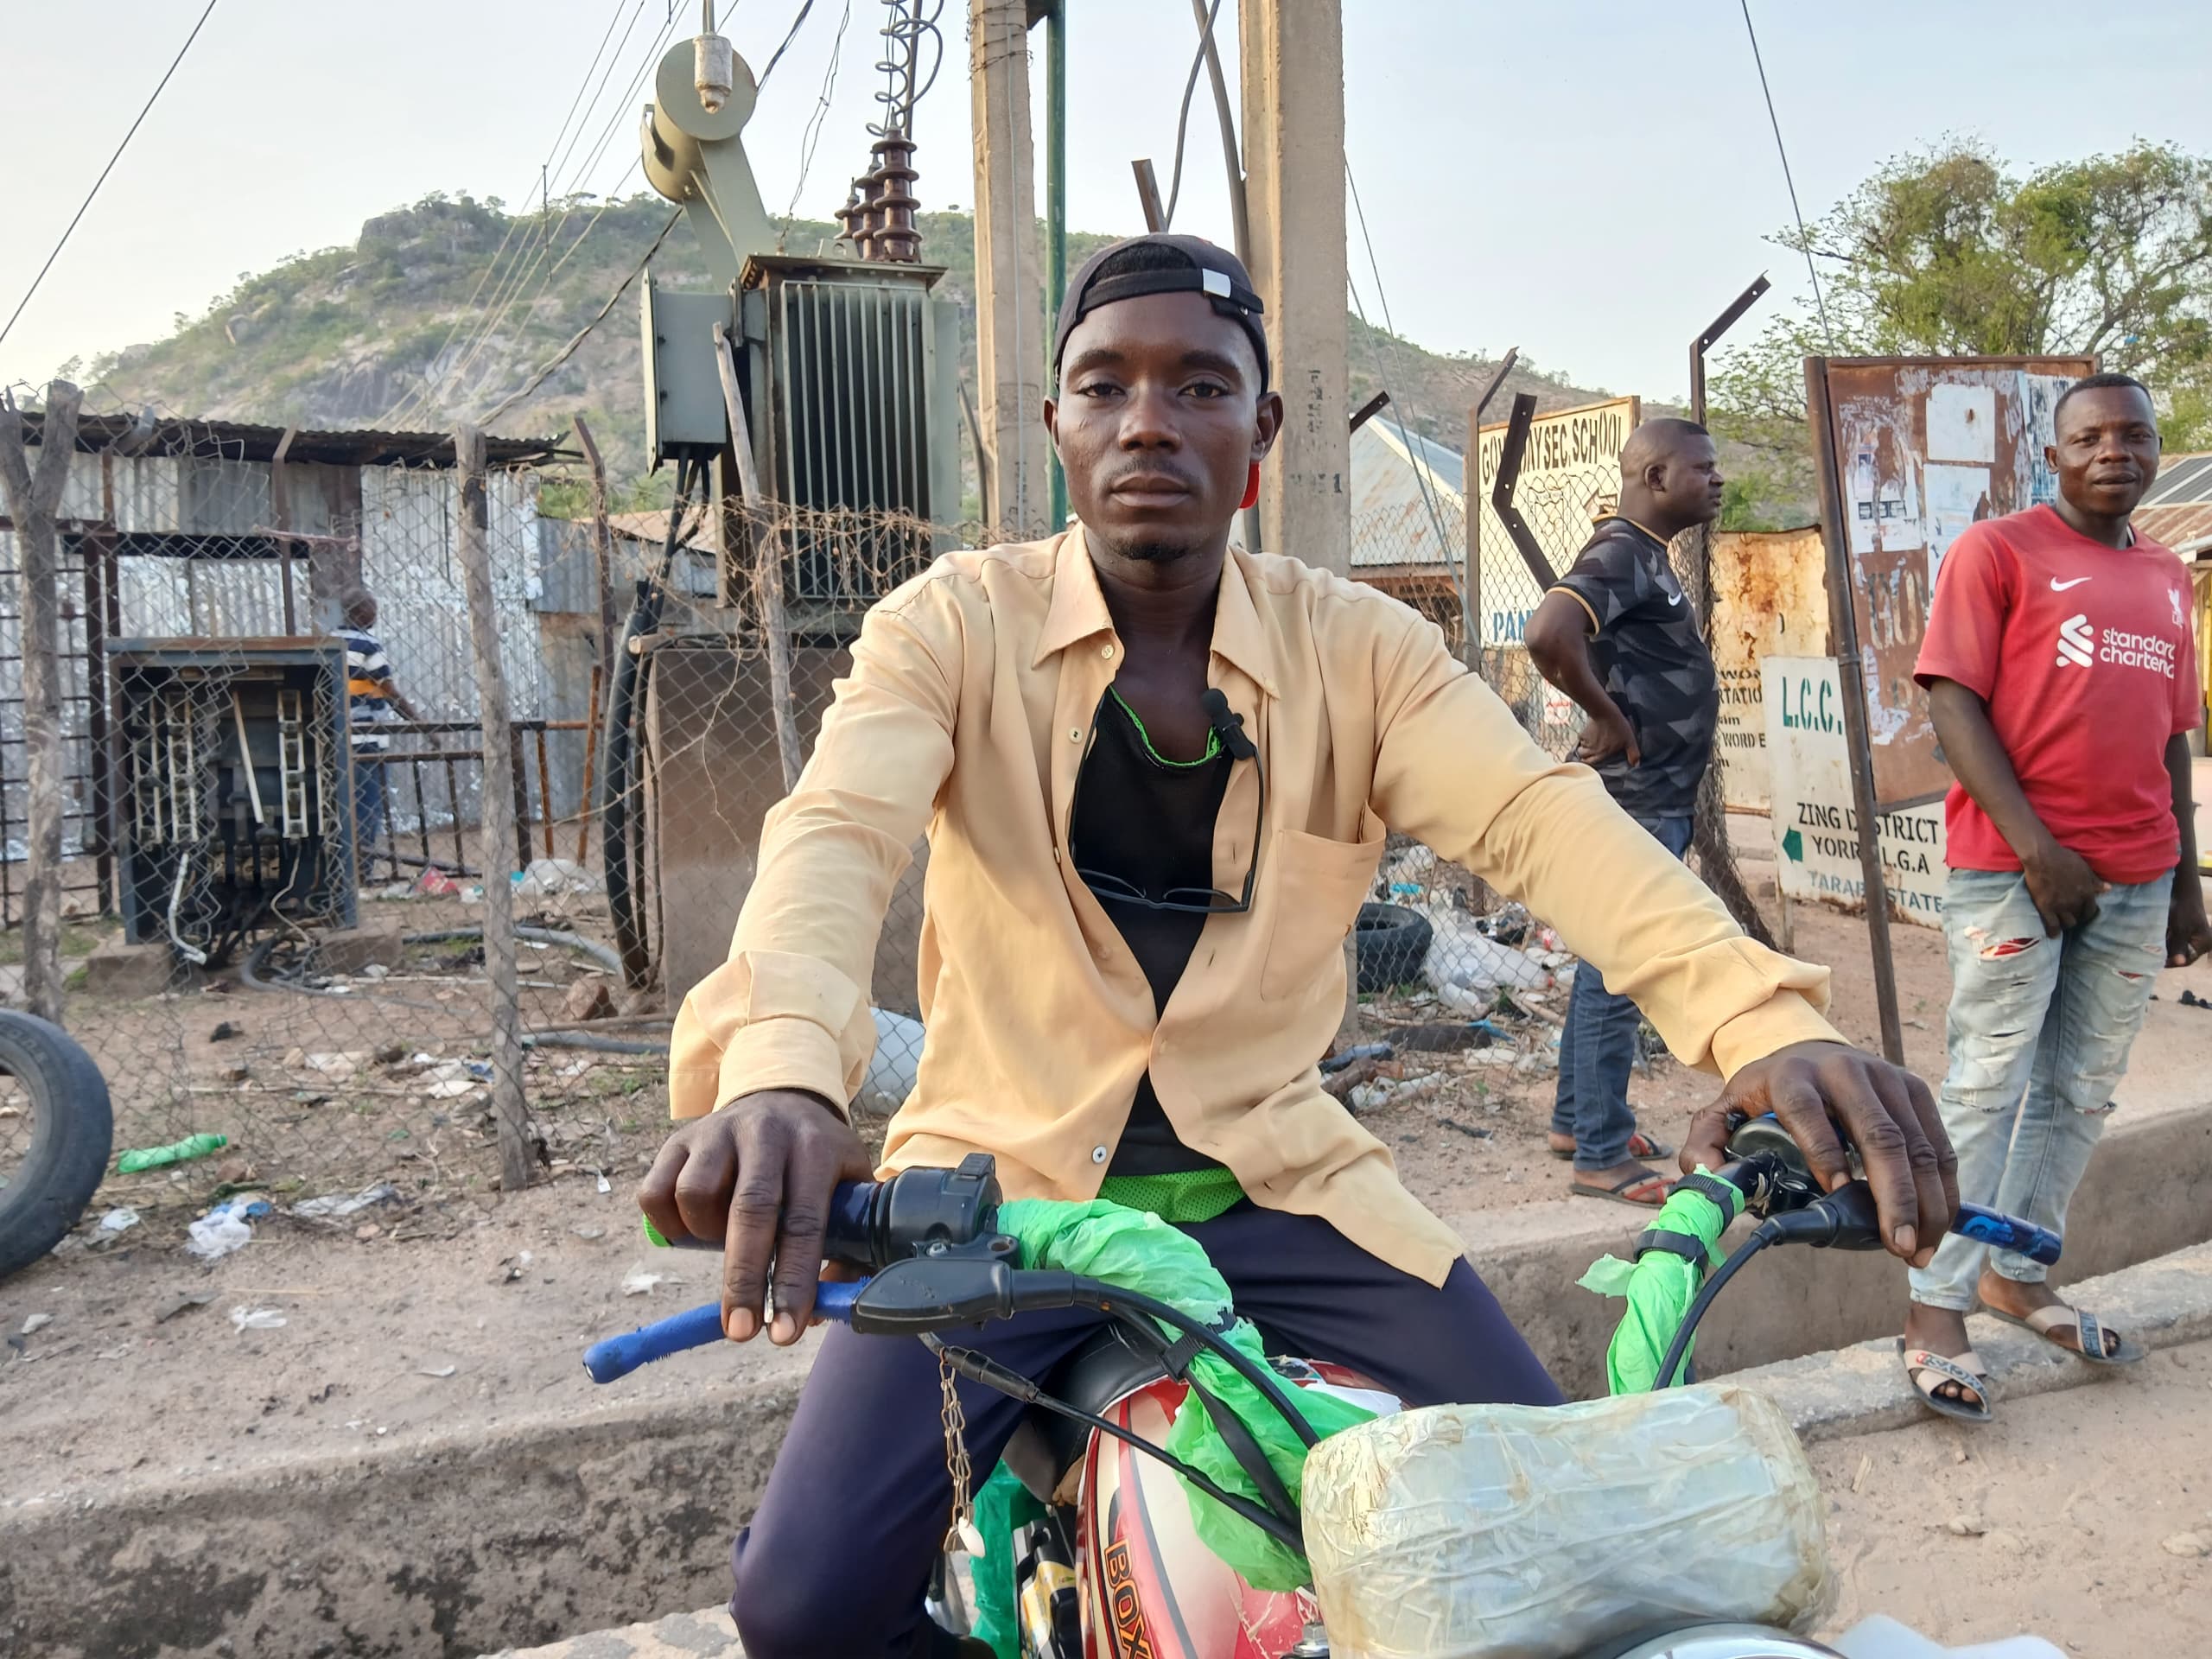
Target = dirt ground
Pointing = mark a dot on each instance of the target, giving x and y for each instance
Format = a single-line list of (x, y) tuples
[(455, 1303), (2083, 1516)]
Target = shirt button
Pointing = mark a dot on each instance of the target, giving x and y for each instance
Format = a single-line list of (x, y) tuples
[(1098, 1154), (1106, 650), (1075, 733)]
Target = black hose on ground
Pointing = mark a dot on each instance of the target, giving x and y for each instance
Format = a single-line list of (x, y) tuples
[(592, 1040)]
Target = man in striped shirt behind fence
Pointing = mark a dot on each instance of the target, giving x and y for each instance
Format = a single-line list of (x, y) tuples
[(373, 702)]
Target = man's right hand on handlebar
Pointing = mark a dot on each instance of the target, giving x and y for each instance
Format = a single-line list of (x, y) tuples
[(758, 1174)]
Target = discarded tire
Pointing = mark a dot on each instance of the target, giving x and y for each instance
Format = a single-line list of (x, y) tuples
[(1393, 942), (52, 1167)]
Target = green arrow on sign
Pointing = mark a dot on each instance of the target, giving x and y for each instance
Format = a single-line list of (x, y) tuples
[(1794, 844)]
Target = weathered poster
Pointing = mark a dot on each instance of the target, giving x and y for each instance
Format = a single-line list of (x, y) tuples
[(1815, 822), (1922, 448)]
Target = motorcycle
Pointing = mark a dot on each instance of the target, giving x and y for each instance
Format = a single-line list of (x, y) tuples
[(1115, 1569)]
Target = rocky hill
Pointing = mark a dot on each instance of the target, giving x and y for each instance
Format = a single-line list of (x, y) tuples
[(444, 309)]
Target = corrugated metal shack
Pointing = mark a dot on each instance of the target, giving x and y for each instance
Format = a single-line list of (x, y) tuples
[(175, 529)]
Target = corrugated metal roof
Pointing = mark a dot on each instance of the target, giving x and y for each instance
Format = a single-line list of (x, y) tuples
[(244, 441), (2182, 480), (1407, 507), (2186, 528)]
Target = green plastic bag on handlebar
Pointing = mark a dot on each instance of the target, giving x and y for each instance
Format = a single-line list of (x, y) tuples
[(1660, 1285), (1140, 1252)]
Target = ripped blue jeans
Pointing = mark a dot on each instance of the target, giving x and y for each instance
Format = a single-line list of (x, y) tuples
[(2039, 1032)]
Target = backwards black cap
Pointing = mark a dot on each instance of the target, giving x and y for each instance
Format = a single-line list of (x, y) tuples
[(1163, 264)]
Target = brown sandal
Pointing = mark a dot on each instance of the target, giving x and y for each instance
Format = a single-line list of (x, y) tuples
[(1646, 1192)]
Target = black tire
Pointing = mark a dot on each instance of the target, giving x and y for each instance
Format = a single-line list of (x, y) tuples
[(73, 1131), (1393, 943)]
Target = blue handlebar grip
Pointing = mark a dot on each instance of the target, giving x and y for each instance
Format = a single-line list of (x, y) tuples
[(834, 1300), (618, 1356), (695, 1327), (2005, 1232)]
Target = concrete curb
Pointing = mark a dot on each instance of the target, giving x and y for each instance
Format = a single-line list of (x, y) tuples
[(1864, 1389)]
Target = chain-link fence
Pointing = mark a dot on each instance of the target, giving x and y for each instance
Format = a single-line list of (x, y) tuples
[(274, 854), (278, 865)]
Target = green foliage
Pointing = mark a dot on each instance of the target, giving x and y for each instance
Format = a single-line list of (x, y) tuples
[(1947, 251)]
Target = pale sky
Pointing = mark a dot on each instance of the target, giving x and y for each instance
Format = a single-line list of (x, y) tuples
[(1589, 180)]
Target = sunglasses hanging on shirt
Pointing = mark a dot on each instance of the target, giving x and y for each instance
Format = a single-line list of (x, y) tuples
[(1227, 728)]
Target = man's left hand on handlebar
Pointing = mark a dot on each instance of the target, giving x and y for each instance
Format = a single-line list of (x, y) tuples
[(1883, 1110), (759, 1175)]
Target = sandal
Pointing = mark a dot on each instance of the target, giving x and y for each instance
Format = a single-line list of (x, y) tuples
[(1930, 1371), (2047, 1322), (1640, 1145), (1647, 1192)]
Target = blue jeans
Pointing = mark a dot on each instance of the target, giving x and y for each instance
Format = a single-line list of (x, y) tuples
[(2039, 1032), (1598, 1049), (368, 811)]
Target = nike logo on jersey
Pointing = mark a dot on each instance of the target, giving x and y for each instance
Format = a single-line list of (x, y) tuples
[(1674, 599), (2058, 587)]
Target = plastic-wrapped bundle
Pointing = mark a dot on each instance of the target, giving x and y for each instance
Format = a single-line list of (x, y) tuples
[(1510, 1532)]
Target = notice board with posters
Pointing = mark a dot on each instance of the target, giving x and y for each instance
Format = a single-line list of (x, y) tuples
[(1919, 449)]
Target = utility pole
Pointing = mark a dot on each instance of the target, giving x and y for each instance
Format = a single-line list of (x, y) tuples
[(1291, 56), (1009, 280)]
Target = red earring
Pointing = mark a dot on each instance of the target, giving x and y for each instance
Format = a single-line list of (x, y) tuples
[(1251, 487)]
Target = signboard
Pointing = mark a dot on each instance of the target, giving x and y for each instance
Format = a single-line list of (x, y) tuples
[(1816, 850), (1920, 449), (1570, 477), (1770, 599)]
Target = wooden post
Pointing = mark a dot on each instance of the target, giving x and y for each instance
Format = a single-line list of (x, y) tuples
[(602, 538), (33, 498), (499, 858), (767, 567)]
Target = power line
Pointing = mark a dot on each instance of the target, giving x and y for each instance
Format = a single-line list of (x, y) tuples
[(790, 34), (1783, 151), (1183, 117), (104, 171), (1421, 478), (406, 399), (811, 137), (584, 333), (507, 293)]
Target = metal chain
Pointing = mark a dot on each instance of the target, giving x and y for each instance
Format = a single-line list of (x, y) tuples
[(962, 1534)]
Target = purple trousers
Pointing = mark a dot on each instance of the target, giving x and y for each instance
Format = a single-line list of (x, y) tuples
[(838, 1555)]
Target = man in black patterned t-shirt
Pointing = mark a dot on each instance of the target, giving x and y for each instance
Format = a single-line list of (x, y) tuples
[(1617, 634)]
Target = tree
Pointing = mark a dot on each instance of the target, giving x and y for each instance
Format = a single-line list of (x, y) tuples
[(1947, 251)]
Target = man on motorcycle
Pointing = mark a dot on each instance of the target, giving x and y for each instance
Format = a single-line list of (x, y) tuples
[(1156, 776)]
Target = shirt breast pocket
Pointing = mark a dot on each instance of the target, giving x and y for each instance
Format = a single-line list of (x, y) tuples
[(1319, 884)]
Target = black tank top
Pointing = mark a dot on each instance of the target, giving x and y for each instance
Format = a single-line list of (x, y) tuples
[(1149, 822)]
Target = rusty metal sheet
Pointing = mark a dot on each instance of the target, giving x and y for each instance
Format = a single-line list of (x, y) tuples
[(1923, 447), (1770, 599)]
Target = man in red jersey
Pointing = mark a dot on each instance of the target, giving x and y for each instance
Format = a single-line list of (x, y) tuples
[(2062, 681)]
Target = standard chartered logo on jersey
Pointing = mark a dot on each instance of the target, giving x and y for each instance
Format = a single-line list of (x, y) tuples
[(2081, 644)]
